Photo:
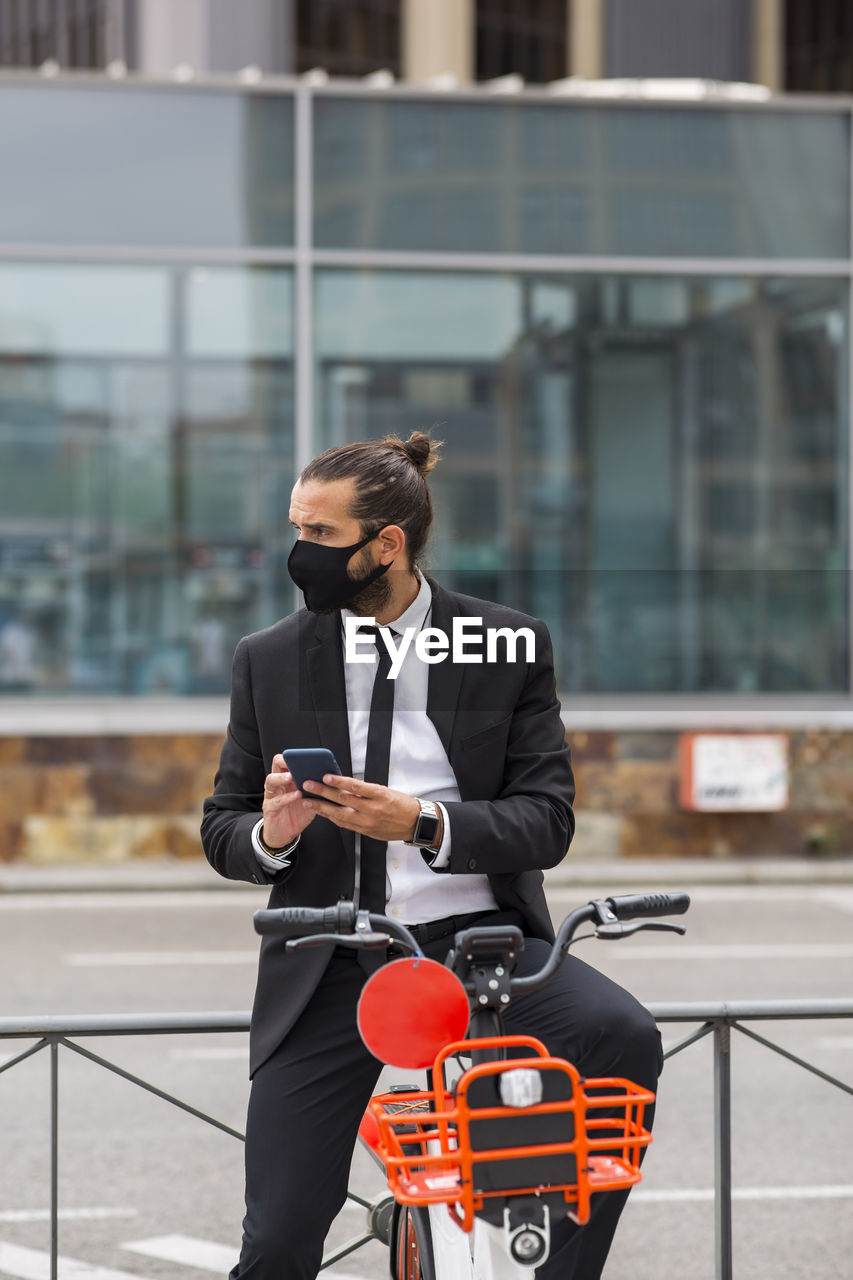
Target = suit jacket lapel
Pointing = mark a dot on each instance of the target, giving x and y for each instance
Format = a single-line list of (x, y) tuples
[(445, 678), (325, 667)]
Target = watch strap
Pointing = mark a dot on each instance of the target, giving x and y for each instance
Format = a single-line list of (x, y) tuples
[(427, 826)]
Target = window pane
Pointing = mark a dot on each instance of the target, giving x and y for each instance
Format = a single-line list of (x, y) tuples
[(234, 312), (818, 46), (656, 466), (521, 38), (143, 493), (115, 165), (349, 38), (562, 178), (67, 309)]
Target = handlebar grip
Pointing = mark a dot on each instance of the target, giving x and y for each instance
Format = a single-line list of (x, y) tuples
[(299, 922), (629, 906)]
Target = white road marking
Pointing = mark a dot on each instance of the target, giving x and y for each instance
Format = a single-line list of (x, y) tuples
[(841, 899), (835, 1042), (619, 950), (743, 894), (832, 1192), (203, 1254), (250, 898), (209, 1055), (65, 1215), (144, 959), (746, 894), (34, 1264), (675, 951)]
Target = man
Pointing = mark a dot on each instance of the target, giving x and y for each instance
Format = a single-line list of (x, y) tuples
[(476, 802)]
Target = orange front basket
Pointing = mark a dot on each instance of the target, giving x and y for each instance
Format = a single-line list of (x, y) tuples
[(463, 1146)]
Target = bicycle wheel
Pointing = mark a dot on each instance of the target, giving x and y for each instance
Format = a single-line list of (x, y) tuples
[(411, 1245)]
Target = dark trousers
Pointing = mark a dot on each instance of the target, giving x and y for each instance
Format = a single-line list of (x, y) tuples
[(307, 1101)]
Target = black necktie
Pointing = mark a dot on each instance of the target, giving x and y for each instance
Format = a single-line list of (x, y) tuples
[(377, 757)]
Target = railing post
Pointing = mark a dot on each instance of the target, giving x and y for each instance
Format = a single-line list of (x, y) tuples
[(722, 1150), (54, 1160)]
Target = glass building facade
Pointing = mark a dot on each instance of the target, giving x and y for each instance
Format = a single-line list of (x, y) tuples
[(629, 322)]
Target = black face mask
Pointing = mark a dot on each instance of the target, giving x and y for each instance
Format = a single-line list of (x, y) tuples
[(321, 574)]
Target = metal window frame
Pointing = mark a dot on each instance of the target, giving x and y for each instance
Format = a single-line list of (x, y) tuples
[(306, 259)]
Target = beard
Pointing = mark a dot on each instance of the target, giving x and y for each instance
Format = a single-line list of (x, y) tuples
[(371, 600)]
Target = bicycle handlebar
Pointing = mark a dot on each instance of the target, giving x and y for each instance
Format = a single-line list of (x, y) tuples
[(298, 922), (345, 925), (342, 924), (631, 906), (604, 913)]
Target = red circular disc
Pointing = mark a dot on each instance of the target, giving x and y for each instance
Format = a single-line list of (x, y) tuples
[(410, 1009)]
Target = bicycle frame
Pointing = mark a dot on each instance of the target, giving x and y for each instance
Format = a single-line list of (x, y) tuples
[(475, 1156)]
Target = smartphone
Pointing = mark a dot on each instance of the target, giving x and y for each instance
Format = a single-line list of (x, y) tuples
[(309, 764)]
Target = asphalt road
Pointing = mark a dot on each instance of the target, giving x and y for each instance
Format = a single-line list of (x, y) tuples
[(148, 1191)]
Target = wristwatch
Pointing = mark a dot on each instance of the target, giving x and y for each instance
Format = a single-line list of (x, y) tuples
[(427, 826)]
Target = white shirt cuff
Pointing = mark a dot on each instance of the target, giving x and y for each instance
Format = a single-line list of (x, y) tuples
[(442, 858), (268, 861)]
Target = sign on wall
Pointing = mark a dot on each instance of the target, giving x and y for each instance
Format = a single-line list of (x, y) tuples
[(728, 772)]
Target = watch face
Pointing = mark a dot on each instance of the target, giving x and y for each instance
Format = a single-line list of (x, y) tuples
[(426, 830)]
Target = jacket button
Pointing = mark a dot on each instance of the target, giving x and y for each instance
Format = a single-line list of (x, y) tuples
[(472, 863)]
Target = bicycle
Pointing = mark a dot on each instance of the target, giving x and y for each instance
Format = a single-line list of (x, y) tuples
[(480, 1168)]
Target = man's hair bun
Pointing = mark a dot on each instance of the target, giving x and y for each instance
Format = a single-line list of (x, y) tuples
[(390, 483), (420, 449)]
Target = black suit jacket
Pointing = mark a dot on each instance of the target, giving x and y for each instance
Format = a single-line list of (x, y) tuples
[(500, 725)]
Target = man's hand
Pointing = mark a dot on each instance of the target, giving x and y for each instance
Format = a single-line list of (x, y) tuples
[(367, 807), (286, 812)]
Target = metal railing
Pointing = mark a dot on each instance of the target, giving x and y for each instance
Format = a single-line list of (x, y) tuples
[(716, 1019), (719, 1020)]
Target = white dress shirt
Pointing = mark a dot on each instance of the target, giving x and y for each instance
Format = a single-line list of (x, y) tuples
[(418, 767)]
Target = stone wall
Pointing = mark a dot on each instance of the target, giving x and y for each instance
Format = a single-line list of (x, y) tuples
[(628, 800), (110, 799), (103, 799)]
